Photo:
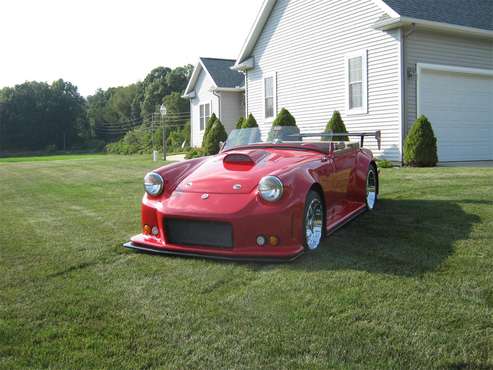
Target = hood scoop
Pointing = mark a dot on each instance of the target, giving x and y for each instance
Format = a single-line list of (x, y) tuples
[(238, 158), (252, 158)]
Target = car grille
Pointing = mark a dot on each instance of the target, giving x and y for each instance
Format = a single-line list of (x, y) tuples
[(199, 233)]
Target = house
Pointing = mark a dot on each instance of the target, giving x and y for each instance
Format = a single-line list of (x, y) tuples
[(381, 63), (214, 88)]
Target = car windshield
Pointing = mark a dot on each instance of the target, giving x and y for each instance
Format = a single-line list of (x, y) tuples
[(277, 135)]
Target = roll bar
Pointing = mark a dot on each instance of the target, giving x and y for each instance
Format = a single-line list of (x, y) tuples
[(376, 134)]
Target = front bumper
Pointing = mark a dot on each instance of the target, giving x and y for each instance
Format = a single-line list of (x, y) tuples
[(185, 253), (246, 215)]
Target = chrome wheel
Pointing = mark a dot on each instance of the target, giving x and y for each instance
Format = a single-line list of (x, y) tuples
[(314, 223), (371, 188)]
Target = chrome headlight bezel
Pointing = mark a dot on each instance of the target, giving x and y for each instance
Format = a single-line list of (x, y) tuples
[(153, 184), (270, 188)]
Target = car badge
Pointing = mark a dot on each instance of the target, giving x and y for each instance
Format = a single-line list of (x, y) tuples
[(205, 196), (189, 184), (237, 186)]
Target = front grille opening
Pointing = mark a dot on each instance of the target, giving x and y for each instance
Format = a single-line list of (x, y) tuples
[(199, 233)]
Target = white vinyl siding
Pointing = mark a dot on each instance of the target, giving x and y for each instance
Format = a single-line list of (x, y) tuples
[(232, 108), (437, 48), (356, 83), (308, 54), (203, 96)]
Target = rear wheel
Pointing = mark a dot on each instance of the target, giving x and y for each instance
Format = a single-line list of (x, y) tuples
[(313, 221), (371, 188)]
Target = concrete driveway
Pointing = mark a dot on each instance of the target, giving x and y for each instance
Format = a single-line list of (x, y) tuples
[(466, 164), (176, 157)]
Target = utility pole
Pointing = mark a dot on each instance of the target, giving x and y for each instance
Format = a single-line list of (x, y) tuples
[(163, 112), (154, 152), (1, 113)]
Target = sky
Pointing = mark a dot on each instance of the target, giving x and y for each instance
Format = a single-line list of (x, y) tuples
[(104, 43)]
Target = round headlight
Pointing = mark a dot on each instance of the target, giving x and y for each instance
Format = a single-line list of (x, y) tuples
[(153, 184), (270, 188)]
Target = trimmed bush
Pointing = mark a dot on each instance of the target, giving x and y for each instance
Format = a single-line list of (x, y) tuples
[(420, 146), (217, 134), (383, 163), (336, 125), (250, 122), (283, 119), (195, 153), (208, 127), (240, 122)]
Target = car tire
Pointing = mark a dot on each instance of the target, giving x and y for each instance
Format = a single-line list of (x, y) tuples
[(371, 188), (313, 221)]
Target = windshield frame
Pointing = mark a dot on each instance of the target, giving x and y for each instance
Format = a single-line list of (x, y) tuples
[(248, 138)]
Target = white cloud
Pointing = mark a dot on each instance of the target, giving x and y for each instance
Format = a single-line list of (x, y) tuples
[(107, 43)]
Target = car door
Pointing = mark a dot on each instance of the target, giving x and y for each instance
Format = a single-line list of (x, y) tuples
[(343, 163)]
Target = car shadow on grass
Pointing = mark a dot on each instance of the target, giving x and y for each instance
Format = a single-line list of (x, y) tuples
[(401, 237)]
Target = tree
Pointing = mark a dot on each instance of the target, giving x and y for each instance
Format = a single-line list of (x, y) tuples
[(208, 127), (240, 122), (216, 135), (37, 115), (336, 125), (420, 146), (250, 122)]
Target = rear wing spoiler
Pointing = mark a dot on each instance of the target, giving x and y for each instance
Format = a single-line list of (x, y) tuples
[(376, 134)]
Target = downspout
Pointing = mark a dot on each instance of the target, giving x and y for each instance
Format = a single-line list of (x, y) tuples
[(404, 83), (246, 93), (218, 96)]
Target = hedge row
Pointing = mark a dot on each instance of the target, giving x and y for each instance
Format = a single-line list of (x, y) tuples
[(420, 147)]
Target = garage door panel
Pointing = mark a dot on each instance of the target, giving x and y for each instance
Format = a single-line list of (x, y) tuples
[(460, 109)]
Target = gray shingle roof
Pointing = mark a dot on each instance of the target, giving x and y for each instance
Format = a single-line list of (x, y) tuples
[(221, 73), (468, 13)]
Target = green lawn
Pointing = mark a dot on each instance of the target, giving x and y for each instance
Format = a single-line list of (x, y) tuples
[(408, 286)]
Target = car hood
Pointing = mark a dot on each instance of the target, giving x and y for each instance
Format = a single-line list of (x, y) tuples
[(239, 172)]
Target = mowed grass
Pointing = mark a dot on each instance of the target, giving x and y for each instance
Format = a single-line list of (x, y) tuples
[(409, 286)]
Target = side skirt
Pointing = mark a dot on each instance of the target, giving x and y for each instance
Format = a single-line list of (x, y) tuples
[(350, 216)]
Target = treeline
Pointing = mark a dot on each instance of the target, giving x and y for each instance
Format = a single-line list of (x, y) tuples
[(37, 116)]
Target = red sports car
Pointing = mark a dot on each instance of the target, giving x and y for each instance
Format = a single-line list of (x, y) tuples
[(258, 200)]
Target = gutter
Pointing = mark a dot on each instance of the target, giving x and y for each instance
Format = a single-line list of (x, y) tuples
[(244, 65), (229, 89), (393, 23)]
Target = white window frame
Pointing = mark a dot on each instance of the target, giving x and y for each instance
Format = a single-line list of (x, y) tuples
[(363, 54), (272, 75), (200, 114)]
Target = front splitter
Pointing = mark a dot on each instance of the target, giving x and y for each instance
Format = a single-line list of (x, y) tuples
[(138, 247)]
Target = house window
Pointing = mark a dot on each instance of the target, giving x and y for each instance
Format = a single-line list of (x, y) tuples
[(270, 96), (205, 113), (356, 80)]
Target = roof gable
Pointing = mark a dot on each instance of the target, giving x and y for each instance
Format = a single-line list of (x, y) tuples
[(468, 14), (219, 71)]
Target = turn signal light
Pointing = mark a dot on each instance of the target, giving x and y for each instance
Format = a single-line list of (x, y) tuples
[(273, 240), (147, 230)]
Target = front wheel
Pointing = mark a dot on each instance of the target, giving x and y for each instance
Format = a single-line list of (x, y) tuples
[(371, 188), (313, 221)]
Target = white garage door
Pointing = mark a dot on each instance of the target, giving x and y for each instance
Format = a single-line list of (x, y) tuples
[(459, 105)]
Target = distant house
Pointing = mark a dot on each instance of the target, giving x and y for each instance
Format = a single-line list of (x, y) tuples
[(214, 88), (381, 63)]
